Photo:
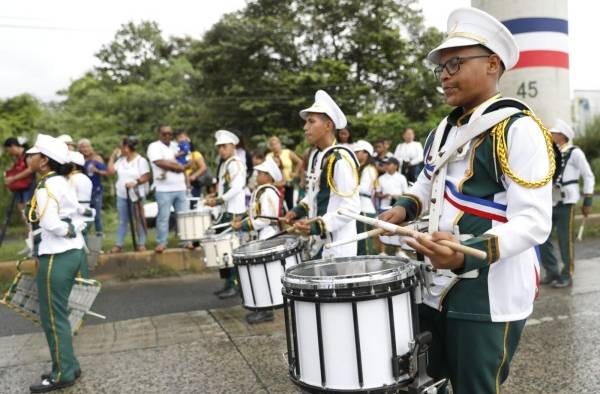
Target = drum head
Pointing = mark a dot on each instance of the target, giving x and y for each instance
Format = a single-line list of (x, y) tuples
[(269, 249), (348, 272)]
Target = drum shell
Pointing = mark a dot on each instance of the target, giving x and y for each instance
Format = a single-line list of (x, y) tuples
[(344, 336), (218, 249), (261, 282), (192, 225)]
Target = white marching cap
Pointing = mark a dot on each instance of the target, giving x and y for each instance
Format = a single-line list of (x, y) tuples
[(66, 138), (76, 158), (363, 145), (226, 137), (562, 127), (51, 147), (270, 167), (471, 26), (324, 104)]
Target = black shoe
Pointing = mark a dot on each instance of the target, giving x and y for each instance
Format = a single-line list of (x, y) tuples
[(260, 317), (221, 291), (548, 280), (48, 385), (48, 376), (229, 293), (561, 284)]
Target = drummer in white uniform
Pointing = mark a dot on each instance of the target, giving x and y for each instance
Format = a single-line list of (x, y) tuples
[(486, 184), (82, 187), (231, 181), (264, 215), (332, 182)]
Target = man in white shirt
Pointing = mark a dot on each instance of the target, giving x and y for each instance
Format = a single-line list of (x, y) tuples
[(564, 198), (410, 155), (169, 181)]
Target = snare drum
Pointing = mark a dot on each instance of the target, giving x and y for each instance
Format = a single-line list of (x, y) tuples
[(349, 322), (192, 225), (218, 249), (260, 266)]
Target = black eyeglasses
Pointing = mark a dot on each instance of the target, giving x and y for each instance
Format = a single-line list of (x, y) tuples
[(452, 65)]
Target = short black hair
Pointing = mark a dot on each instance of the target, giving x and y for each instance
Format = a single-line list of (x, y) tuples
[(11, 141), (131, 142), (258, 153)]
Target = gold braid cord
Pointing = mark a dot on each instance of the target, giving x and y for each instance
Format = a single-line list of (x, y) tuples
[(330, 181), (499, 137)]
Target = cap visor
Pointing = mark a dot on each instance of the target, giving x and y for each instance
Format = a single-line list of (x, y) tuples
[(455, 42), (33, 150)]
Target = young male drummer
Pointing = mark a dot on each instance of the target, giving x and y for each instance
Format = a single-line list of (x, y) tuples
[(267, 204), (566, 195), (58, 247), (231, 181), (495, 186), (368, 184), (332, 181)]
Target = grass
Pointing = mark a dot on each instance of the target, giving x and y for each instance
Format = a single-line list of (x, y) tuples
[(4, 285), (160, 271)]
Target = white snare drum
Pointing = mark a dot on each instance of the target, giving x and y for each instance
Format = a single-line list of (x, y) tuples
[(192, 225), (218, 249), (349, 323), (260, 266)]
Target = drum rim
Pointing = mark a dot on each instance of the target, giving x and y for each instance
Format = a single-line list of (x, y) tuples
[(260, 254), (187, 213), (216, 237), (388, 275), (374, 390)]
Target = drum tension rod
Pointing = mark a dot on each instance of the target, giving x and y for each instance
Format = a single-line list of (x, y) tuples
[(415, 363)]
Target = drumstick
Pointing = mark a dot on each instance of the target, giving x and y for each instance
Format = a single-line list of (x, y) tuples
[(392, 228), (580, 232), (359, 237), (290, 229)]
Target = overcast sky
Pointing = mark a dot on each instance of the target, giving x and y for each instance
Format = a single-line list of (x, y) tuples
[(46, 44)]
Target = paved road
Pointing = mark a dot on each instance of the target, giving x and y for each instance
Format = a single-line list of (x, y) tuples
[(139, 298)]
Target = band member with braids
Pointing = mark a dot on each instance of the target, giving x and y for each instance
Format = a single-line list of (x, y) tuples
[(487, 185), (265, 209), (58, 246), (368, 184), (332, 182), (231, 181)]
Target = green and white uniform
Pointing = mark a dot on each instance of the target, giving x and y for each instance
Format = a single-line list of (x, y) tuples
[(500, 202), (564, 198), (332, 183), (58, 245), (267, 202), (368, 184)]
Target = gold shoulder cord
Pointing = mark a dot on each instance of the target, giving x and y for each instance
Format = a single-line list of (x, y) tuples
[(499, 141), (31, 213), (330, 182)]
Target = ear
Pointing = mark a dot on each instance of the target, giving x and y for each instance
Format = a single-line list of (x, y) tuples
[(495, 65)]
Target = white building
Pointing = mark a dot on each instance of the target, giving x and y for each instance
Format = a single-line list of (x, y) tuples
[(586, 106)]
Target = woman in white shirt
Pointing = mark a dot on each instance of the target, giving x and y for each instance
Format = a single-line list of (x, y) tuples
[(410, 155), (133, 174), (391, 184)]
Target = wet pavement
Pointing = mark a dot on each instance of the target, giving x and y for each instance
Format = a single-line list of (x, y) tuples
[(215, 351)]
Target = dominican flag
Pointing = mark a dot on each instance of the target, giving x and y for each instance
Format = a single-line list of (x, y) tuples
[(543, 41)]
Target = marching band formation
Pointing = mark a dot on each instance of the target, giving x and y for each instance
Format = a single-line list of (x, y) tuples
[(472, 222)]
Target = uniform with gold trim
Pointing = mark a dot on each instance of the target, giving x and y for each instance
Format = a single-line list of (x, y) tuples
[(58, 246), (565, 197), (497, 193), (368, 184), (231, 181), (332, 183)]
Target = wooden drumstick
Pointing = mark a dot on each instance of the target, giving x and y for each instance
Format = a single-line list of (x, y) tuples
[(290, 229), (392, 228), (359, 237)]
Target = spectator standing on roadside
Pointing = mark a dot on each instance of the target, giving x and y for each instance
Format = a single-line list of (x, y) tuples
[(410, 155), (94, 168), (169, 182), (19, 178), (289, 164)]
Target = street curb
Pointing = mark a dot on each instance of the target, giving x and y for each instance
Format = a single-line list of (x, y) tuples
[(127, 264)]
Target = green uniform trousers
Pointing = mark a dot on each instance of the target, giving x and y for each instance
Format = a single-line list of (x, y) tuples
[(365, 247), (55, 278), (230, 273), (562, 221), (474, 355)]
